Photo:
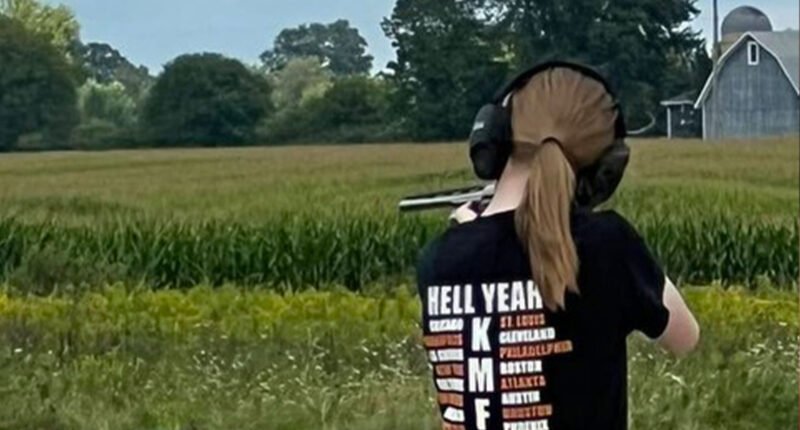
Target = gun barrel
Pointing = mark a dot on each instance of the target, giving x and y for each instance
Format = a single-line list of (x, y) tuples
[(449, 198)]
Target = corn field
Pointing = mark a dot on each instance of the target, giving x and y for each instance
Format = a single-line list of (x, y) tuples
[(293, 218), (293, 253)]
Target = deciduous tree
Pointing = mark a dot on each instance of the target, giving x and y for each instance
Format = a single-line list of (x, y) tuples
[(106, 65), (206, 99), (448, 65), (37, 91), (452, 54), (302, 79), (339, 47), (643, 46), (57, 24), (107, 102)]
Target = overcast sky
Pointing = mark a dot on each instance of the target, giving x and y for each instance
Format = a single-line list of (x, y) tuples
[(152, 32)]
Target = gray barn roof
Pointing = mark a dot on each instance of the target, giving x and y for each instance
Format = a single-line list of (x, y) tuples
[(783, 45), (685, 98), (786, 46)]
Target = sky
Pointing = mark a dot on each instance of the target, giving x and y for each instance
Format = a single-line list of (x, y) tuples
[(152, 32)]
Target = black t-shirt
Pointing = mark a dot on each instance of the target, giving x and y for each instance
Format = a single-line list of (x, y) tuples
[(503, 361)]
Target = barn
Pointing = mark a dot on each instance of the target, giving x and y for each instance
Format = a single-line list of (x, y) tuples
[(754, 92)]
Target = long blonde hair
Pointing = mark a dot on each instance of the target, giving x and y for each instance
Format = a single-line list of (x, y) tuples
[(562, 121)]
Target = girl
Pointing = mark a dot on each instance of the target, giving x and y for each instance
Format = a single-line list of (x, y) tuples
[(526, 308)]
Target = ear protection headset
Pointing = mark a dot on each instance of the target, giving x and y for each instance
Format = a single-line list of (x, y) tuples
[(490, 141)]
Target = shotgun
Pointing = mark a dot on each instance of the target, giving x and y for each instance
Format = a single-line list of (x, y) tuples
[(448, 198)]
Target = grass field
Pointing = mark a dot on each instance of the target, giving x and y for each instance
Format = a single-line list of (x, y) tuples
[(299, 216), (295, 308), (756, 180)]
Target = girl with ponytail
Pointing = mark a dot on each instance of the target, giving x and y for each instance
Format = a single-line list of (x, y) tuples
[(526, 309)]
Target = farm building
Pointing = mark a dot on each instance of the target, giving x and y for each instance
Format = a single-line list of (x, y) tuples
[(683, 120), (754, 92)]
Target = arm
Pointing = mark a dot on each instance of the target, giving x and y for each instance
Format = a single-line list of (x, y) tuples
[(682, 333), (651, 303)]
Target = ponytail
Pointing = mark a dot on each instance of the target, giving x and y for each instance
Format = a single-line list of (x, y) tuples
[(543, 224)]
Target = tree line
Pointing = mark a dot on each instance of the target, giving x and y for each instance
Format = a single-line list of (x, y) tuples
[(315, 83)]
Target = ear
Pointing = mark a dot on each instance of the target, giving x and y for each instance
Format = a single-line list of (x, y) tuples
[(597, 183)]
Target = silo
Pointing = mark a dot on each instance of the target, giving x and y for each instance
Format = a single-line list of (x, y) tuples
[(740, 21)]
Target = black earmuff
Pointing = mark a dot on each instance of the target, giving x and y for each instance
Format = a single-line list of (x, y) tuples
[(489, 154), (490, 141), (597, 183)]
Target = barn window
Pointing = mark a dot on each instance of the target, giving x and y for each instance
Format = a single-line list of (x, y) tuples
[(753, 53)]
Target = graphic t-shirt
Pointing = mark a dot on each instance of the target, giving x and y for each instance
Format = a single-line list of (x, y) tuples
[(501, 360)]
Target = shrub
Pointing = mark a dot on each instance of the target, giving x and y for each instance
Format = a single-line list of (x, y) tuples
[(353, 110)]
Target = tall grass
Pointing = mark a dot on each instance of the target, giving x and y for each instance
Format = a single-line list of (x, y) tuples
[(350, 251)]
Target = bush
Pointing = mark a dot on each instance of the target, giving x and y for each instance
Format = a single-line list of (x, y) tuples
[(206, 99), (355, 100), (291, 124), (97, 134), (353, 110)]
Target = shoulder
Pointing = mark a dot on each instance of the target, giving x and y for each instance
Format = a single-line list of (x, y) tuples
[(437, 245), (426, 263), (628, 250), (607, 228), (608, 243), (608, 219), (446, 254), (619, 222), (626, 234)]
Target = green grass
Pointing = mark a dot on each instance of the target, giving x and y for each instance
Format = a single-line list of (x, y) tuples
[(757, 180), (230, 358), (308, 216)]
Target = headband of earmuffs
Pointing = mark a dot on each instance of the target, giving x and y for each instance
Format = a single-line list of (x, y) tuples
[(490, 141)]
